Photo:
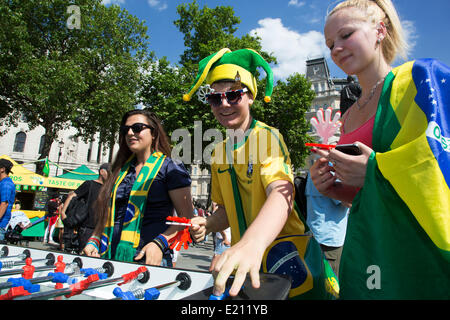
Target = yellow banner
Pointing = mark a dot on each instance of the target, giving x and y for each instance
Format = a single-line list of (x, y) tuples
[(50, 182), (23, 176)]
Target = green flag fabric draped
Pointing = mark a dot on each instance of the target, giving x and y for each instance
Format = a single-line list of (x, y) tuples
[(46, 169)]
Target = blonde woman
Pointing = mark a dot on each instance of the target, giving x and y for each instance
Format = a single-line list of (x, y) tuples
[(397, 244)]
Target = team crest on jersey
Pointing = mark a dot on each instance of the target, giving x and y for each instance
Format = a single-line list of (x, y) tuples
[(250, 168)]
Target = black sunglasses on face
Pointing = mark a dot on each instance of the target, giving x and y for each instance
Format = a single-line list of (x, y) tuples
[(136, 127), (233, 97)]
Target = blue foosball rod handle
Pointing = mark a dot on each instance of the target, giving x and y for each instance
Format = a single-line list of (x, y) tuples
[(224, 295), (26, 284), (103, 272)]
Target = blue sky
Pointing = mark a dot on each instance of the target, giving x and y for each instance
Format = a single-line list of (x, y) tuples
[(293, 29)]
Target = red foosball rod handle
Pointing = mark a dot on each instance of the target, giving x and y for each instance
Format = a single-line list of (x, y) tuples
[(14, 292)]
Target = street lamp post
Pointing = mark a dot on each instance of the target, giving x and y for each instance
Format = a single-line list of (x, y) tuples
[(61, 146)]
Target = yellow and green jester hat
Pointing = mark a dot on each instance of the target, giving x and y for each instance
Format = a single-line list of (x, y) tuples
[(225, 64)]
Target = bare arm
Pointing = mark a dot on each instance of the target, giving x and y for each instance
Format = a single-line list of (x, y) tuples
[(3, 207), (351, 170), (246, 255), (66, 204), (181, 199), (216, 222)]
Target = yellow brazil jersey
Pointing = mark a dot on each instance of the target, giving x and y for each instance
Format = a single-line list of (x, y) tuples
[(258, 160)]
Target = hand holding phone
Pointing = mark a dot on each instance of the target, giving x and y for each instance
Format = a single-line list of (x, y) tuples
[(351, 149)]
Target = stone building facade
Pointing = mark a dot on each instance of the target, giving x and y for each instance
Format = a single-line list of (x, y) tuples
[(68, 152), (328, 91)]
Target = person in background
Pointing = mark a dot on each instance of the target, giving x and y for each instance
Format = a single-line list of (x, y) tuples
[(59, 225), (7, 195), (222, 242), (327, 220), (53, 208), (349, 94), (88, 191), (18, 217)]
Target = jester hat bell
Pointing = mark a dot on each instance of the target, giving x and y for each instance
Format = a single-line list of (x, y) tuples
[(225, 64)]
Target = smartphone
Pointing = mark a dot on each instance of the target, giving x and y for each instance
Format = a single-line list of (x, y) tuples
[(351, 149)]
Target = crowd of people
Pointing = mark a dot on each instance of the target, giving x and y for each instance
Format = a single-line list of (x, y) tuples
[(363, 210)]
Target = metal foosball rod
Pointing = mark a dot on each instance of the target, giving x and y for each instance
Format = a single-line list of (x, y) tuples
[(92, 282), (28, 270), (4, 251), (49, 259), (56, 277), (182, 281), (4, 254), (59, 275), (29, 283)]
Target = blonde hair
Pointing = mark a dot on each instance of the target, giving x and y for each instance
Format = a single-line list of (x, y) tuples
[(381, 10)]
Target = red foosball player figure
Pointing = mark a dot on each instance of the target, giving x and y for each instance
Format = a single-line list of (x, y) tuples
[(28, 269)]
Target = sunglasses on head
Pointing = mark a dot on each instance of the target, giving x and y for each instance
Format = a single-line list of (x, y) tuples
[(136, 127), (233, 97)]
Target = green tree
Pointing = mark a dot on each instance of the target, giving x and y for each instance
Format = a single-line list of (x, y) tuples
[(291, 100), (206, 31), (59, 76)]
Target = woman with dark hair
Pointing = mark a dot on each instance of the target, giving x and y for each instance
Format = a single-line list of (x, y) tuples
[(144, 188)]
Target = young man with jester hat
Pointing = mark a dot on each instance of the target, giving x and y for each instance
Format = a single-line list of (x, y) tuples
[(252, 184)]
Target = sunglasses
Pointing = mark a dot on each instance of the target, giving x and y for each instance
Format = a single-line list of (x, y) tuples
[(233, 97), (136, 127)]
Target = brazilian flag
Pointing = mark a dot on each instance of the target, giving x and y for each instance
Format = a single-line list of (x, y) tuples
[(397, 244), (46, 169)]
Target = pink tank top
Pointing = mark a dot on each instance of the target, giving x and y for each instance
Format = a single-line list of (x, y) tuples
[(362, 134)]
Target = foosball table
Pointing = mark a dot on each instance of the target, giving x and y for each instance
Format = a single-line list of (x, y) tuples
[(34, 274)]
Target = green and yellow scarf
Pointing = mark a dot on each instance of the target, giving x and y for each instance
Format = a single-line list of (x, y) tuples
[(130, 236)]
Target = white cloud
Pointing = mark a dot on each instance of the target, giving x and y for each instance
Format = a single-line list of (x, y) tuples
[(411, 35), (108, 2), (296, 3), (157, 4), (290, 47)]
